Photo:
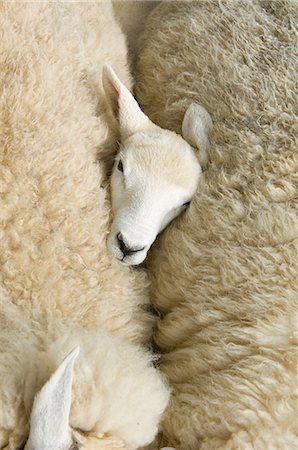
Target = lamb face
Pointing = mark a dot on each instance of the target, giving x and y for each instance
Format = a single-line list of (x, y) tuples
[(154, 178), (155, 175)]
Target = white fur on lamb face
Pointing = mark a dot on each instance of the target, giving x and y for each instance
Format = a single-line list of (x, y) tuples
[(148, 193), (155, 174)]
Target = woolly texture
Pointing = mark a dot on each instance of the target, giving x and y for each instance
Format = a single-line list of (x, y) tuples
[(132, 16), (56, 276), (115, 391), (224, 275)]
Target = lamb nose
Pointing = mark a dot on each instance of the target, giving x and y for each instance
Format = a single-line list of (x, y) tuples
[(123, 247)]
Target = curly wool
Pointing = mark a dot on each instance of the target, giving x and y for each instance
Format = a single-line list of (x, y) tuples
[(224, 275), (56, 277)]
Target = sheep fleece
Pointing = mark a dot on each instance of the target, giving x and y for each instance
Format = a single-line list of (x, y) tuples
[(56, 276), (224, 275)]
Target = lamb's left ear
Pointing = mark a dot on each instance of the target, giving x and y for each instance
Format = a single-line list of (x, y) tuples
[(125, 108), (196, 128)]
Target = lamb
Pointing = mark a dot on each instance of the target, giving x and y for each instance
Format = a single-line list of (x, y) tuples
[(225, 278), (156, 172), (117, 396), (59, 287)]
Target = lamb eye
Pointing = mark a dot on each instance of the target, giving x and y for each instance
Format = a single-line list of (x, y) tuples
[(120, 166), (186, 204)]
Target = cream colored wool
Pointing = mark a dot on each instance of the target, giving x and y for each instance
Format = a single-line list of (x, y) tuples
[(132, 15), (224, 275), (56, 277)]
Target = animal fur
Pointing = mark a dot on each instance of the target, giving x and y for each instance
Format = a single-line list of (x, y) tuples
[(132, 16), (224, 275), (57, 279)]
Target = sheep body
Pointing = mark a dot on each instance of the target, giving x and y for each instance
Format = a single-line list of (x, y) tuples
[(224, 276), (56, 276)]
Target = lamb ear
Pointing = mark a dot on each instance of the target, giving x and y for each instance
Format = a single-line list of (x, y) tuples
[(196, 128), (125, 108), (49, 428)]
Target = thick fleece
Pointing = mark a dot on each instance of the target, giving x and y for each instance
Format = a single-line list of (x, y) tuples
[(224, 275), (56, 276)]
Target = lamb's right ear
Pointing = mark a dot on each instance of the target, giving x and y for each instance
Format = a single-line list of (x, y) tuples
[(125, 108), (196, 128), (49, 428)]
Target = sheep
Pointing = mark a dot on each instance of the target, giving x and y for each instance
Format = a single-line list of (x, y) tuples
[(59, 286), (224, 278), (156, 172)]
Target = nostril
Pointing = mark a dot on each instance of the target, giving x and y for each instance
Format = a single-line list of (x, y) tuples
[(124, 248), (121, 243)]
